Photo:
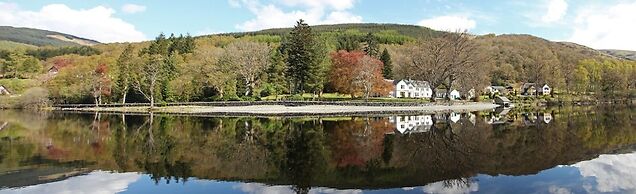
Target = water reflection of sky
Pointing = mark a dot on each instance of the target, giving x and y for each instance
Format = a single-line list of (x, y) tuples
[(605, 174)]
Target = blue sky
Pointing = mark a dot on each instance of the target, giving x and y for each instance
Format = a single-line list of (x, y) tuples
[(598, 24)]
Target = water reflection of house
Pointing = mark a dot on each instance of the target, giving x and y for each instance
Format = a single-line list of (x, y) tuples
[(498, 116), (472, 118), (454, 117), (536, 118), (545, 117), (412, 124)]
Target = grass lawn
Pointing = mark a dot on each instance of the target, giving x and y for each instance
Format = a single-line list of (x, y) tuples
[(17, 86)]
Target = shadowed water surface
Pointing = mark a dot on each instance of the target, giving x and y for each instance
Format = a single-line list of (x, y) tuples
[(565, 150)]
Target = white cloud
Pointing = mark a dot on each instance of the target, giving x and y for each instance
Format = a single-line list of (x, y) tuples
[(609, 27), (441, 187), (613, 173), (98, 23), (133, 8), (338, 17), (259, 188), (556, 10), (558, 190), (449, 23), (313, 12), (98, 182)]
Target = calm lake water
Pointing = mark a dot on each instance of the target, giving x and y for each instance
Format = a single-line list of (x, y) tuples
[(563, 150)]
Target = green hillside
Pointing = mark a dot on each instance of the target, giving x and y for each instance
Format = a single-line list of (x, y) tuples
[(407, 30), (9, 45), (630, 55), (37, 37)]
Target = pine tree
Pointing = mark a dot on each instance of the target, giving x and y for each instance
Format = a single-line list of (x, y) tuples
[(387, 70), (348, 43), (276, 73), (301, 57), (371, 47)]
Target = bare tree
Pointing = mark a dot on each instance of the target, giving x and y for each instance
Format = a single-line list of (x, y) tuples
[(442, 60), (147, 77), (250, 60)]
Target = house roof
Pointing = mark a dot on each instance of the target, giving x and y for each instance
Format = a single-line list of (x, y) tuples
[(527, 85), (502, 99), (498, 87), (415, 83)]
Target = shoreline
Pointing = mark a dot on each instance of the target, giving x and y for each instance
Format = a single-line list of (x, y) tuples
[(282, 110)]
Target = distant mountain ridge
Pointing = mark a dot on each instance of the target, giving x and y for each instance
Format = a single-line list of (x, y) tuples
[(403, 29), (624, 54), (37, 37), (415, 31)]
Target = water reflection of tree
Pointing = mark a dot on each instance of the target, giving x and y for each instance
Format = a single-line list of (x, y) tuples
[(314, 152), (298, 149), (157, 152), (440, 153)]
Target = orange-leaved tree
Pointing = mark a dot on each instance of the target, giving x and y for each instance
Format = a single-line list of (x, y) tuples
[(356, 73)]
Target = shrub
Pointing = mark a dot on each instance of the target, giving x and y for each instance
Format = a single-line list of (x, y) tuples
[(267, 90), (34, 98), (296, 97)]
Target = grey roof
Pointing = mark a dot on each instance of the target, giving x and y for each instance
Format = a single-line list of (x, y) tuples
[(502, 99), (416, 83), (527, 85), (498, 87)]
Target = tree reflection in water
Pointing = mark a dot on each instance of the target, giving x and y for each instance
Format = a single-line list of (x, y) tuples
[(344, 152)]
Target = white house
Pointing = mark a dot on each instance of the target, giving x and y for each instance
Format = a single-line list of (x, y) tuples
[(530, 89), (454, 94), (411, 89), (412, 124), (546, 90), (502, 90)]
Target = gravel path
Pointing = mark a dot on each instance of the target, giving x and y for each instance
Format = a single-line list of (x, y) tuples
[(295, 110)]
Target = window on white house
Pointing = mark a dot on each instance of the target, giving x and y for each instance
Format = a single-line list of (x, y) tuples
[(402, 87)]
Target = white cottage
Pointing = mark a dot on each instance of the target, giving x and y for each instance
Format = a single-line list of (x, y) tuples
[(411, 89), (546, 90), (530, 89), (454, 94)]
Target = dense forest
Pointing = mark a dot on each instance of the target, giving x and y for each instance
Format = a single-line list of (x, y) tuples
[(351, 59)]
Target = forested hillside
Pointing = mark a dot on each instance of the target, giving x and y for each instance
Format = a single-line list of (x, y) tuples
[(37, 37), (406, 30), (255, 65)]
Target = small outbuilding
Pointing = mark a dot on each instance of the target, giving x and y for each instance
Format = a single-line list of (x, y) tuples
[(4, 91), (503, 101)]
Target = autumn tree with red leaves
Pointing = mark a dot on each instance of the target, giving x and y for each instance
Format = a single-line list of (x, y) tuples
[(356, 73)]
